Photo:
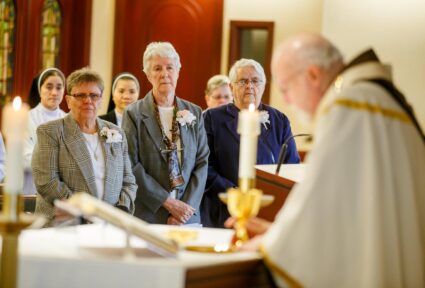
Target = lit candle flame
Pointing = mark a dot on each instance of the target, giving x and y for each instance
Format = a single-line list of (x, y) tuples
[(251, 107), (17, 103)]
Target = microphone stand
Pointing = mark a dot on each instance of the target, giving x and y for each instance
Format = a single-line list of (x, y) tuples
[(284, 148)]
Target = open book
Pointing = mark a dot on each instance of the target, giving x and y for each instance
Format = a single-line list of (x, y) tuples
[(83, 204)]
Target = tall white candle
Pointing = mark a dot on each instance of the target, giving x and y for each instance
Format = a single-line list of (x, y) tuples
[(249, 129), (15, 127)]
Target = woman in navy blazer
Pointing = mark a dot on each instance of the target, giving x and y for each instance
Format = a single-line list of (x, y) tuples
[(247, 82)]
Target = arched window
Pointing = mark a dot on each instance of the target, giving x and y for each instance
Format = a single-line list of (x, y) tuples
[(50, 34), (7, 41)]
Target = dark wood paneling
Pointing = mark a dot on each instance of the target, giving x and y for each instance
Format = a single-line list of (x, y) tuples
[(248, 274), (193, 27), (75, 41)]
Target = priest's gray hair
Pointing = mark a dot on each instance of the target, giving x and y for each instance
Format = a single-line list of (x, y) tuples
[(233, 73), (322, 53), (161, 49)]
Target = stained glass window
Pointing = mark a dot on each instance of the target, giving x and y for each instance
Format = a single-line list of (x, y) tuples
[(50, 33), (7, 41)]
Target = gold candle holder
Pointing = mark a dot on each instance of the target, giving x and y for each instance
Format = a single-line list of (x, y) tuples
[(12, 222), (246, 184), (242, 205)]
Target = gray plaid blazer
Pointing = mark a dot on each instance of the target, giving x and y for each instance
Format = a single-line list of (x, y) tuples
[(150, 166), (61, 165)]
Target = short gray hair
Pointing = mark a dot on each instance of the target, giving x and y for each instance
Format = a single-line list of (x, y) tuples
[(215, 82), (81, 76), (161, 49), (233, 73), (323, 54)]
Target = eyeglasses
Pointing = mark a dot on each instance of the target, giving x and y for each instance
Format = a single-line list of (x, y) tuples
[(245, 82), (219, 97), (83, 96)]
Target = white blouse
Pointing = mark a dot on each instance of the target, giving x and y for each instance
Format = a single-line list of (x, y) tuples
[(98, 161), (37, 116), (119, 118)]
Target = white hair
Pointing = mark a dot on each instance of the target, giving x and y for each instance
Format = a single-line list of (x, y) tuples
[(246, 63), (323, 54), (161, 49)]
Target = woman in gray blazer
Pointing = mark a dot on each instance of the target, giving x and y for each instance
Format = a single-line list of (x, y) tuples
[(81, 152), (167, 144)]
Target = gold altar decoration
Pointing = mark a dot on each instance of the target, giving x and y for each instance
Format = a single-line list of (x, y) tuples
[(12, 222), (243, 205)]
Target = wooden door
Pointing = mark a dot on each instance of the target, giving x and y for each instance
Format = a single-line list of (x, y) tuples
[(194, 27)]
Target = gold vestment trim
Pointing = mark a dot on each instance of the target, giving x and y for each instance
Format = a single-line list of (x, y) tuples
[(348, 103), (291, 281)]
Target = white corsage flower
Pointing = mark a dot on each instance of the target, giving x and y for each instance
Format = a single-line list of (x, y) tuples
[(264, 118), (111, 135), (185, 117)]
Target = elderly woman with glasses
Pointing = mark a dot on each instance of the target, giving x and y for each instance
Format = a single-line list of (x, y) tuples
[(248, 81), (218, 91), (167, 144), (82, 153)]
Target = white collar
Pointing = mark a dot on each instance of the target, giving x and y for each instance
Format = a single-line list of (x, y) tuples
[(47, 112)]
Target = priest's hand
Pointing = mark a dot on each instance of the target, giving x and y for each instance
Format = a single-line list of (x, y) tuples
[(254, 226), (178, 209), (253, 244)]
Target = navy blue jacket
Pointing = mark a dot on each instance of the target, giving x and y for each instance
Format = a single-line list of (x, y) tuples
[(110, 116), (223, 164)]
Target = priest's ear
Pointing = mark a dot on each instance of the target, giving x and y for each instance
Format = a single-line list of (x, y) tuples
[(315, 75)]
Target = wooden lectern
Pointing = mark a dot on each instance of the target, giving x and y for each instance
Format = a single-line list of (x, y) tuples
[(277, 185)]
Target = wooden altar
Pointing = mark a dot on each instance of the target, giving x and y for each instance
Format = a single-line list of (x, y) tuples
[(277, 185)]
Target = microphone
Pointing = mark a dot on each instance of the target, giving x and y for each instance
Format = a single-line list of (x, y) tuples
[(282, 153)]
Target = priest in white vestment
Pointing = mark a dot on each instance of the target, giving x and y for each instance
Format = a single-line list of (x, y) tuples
[(358, 218)]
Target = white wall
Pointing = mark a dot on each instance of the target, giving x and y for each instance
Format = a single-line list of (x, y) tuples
[(394, 28), (289, 16), (101, 44)]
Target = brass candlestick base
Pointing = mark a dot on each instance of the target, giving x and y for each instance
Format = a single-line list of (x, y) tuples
[(11, 224), (242, 205)]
